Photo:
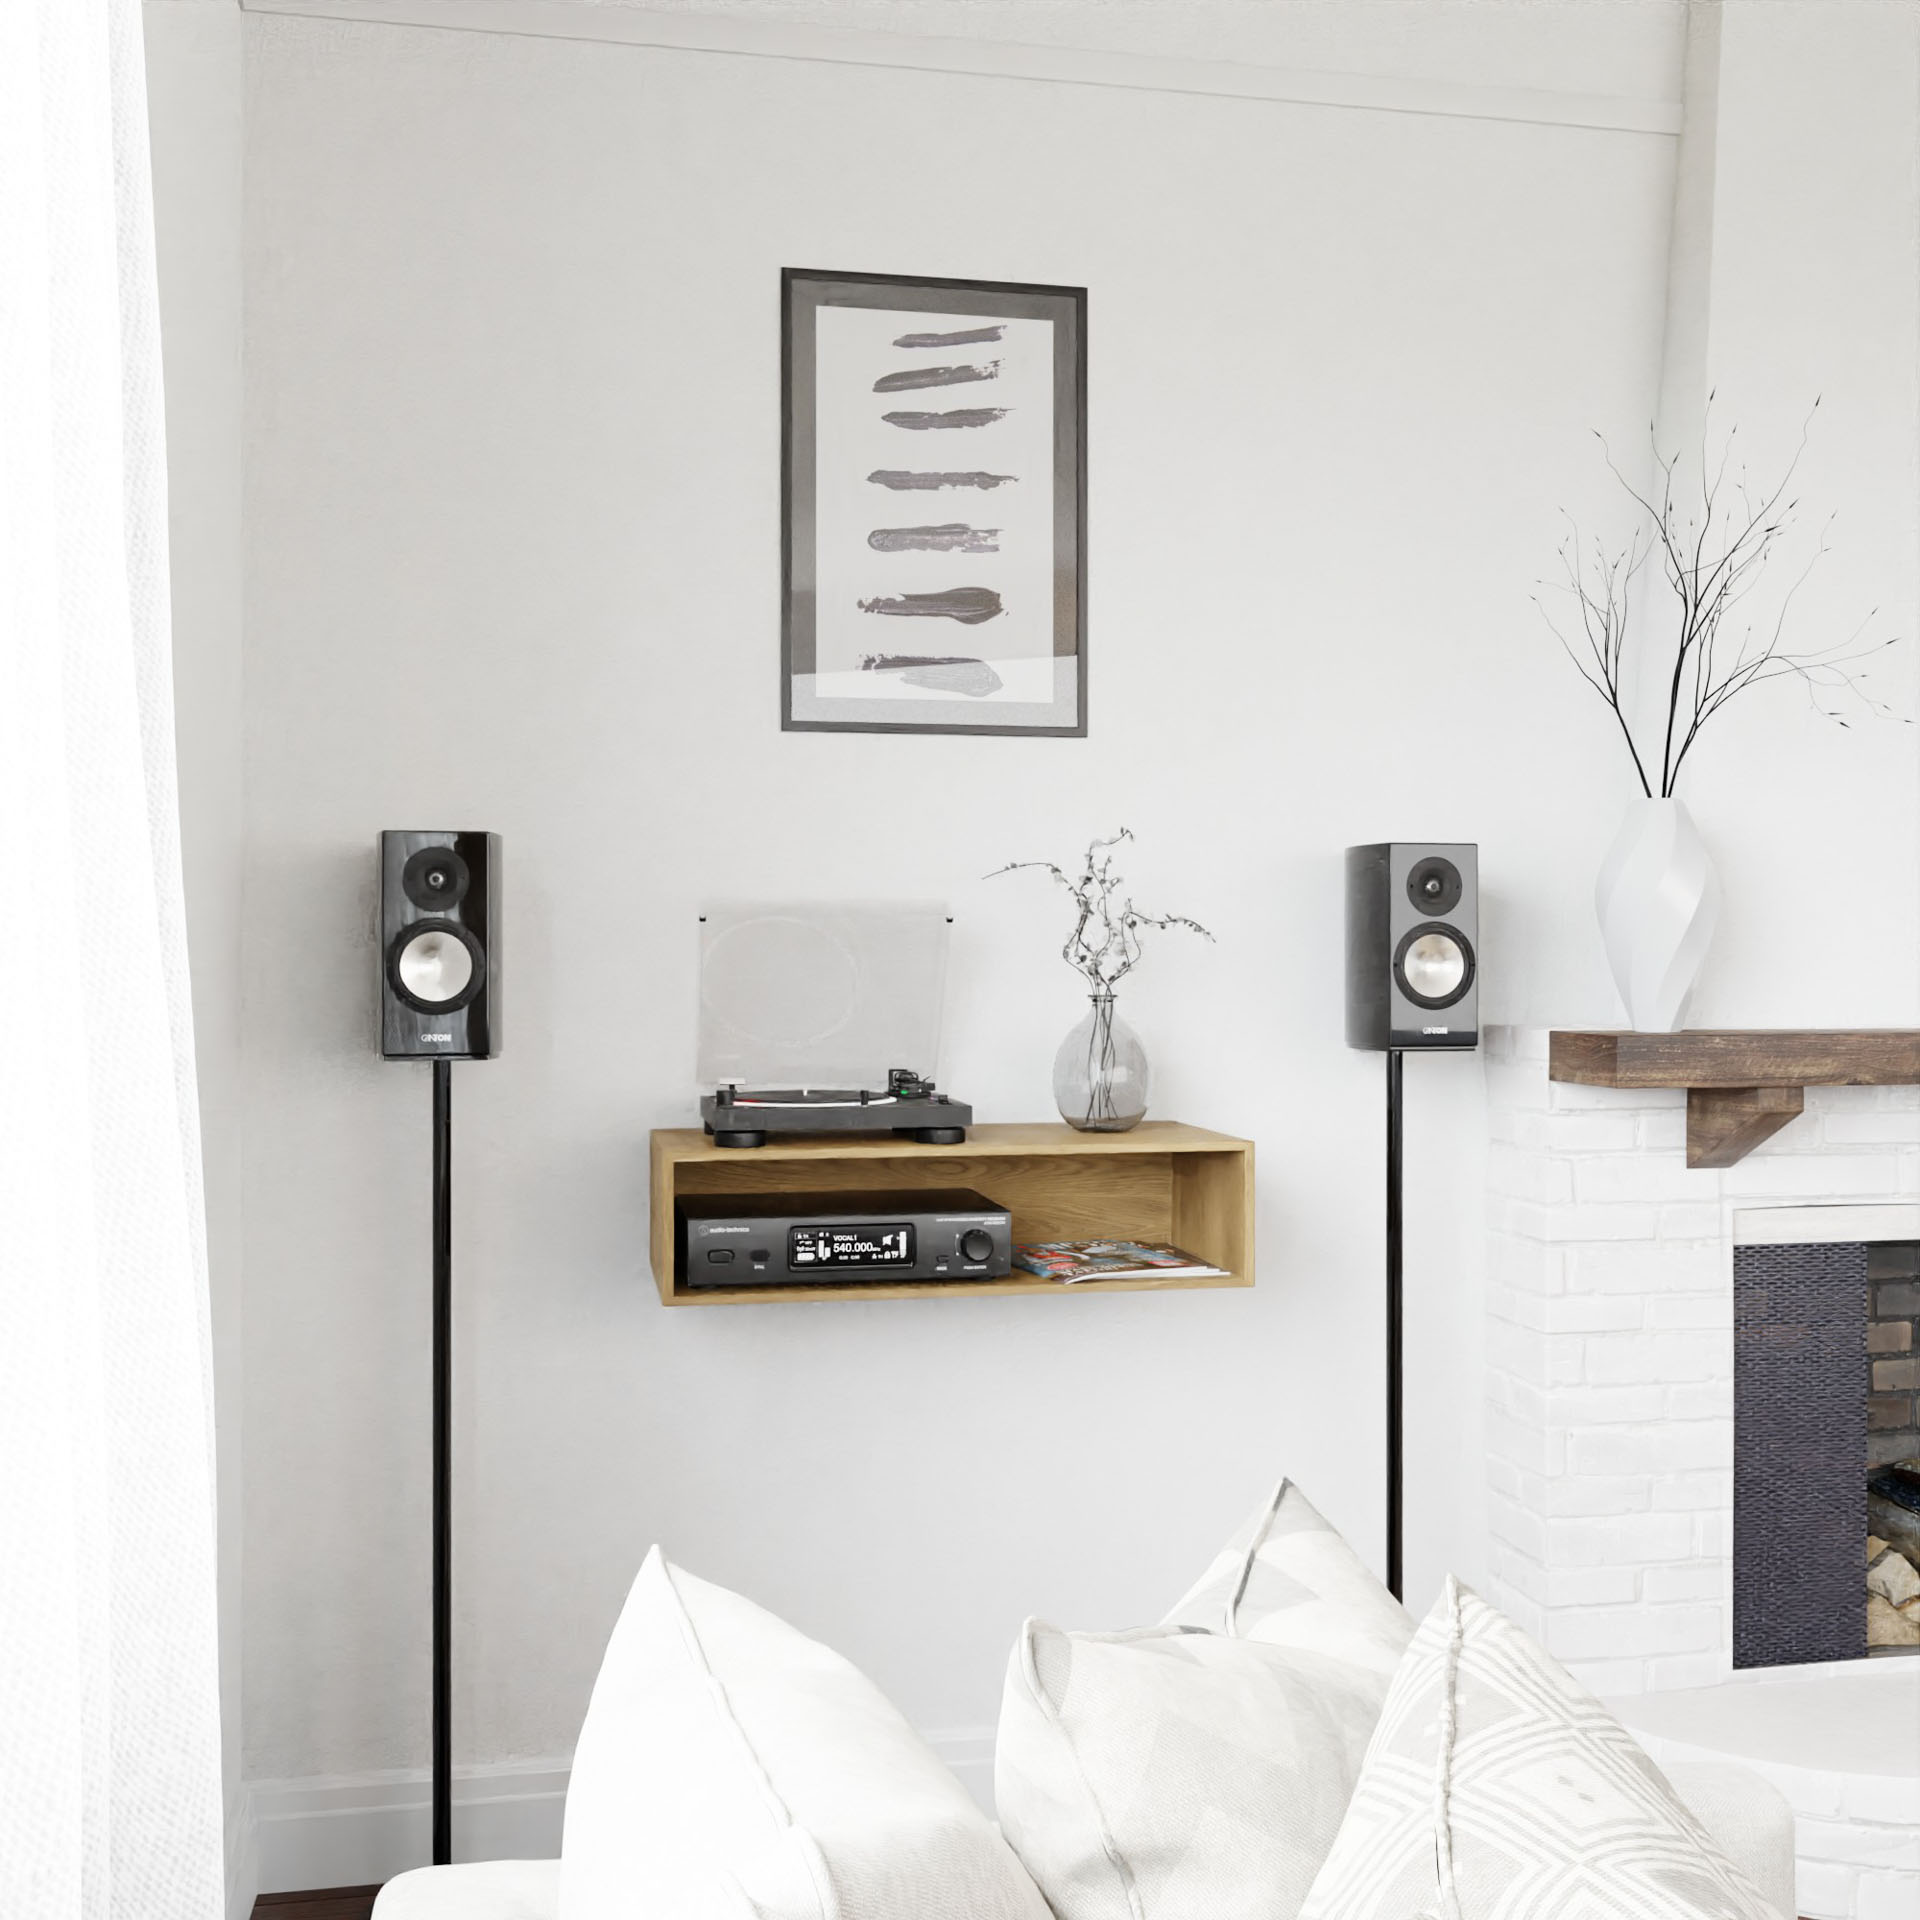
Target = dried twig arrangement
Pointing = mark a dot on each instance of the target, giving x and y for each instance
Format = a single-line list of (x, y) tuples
[(1104, 945), (1714, 551)]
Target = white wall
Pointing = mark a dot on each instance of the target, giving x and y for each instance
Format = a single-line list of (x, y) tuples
[(513, 536), (511, 560), (506, 567), (1814, 290), (194, 99)]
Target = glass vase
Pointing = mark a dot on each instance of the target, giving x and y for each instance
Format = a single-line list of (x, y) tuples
[(1100, 1075)]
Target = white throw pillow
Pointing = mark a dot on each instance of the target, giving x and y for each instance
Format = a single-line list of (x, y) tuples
[(729, 1766), (1496, 1783), (1288, 1578), (1182, 1773)]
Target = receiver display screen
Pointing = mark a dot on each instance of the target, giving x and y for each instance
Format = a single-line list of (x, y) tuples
[(815, 1247)]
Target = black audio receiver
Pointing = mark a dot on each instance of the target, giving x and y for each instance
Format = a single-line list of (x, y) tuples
[(840, 1239)]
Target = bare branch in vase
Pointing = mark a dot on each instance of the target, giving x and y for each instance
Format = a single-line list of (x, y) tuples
[(1714, 554), (1104, 945)]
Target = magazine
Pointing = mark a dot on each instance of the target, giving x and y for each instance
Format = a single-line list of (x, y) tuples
[(1071, 1260)]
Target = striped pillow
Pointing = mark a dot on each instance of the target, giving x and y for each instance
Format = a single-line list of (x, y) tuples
[(1496, 1784)]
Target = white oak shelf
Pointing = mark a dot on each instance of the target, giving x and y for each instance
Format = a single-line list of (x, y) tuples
[(1161, 1181)]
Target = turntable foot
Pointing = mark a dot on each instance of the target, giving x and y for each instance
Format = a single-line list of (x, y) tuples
[(739, 1137), (935, 1136)]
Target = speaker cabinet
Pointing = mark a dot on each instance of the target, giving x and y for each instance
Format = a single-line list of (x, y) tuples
[(439, 945), (1413, 923)]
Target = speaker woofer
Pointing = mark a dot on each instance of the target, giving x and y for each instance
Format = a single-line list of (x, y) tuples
[(1433, 965), (436, 966)]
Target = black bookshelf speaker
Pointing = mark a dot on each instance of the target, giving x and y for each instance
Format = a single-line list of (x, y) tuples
[(439, 945), (1413, 923)]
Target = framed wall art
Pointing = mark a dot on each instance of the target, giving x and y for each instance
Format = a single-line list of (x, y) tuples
[(934, 505)]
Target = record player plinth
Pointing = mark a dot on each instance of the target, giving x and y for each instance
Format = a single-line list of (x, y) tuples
[(910, 1109)]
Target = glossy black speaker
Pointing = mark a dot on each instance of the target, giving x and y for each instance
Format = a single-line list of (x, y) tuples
[(439, 945), (1413, 924)]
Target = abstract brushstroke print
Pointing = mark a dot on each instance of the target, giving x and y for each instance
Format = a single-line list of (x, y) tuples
[(910, 377), (955, 536), (926, 482), (943, 422), (966, 337), (969, 605), (941, 673)]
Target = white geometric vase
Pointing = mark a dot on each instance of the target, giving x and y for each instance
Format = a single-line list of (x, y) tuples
[(1658, 899)]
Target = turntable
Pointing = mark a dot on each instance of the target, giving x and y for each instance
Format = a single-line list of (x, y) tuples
[(909, 1107), (802, 1010)]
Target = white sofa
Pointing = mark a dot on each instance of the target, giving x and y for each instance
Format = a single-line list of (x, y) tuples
[(1285, 1742), (486, 1890), (1742, 1811)]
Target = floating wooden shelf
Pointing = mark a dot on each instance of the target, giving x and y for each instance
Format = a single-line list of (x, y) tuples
[(1742, 1086), (1162, 1181)]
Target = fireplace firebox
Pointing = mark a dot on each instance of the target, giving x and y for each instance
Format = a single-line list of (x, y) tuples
[(1826, 1452)]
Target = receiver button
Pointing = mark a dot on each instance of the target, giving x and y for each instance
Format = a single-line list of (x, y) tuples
[(719, 1256), (976, 1244)]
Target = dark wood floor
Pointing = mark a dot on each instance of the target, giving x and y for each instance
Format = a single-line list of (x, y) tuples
[(325, 1903)]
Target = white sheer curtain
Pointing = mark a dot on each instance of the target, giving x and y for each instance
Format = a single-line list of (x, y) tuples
[(109, 1717)]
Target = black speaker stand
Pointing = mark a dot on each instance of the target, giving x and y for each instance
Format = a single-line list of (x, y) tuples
[(442, 1452), (1396, 1427)]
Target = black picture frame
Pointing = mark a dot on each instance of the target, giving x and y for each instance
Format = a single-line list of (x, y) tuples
[(1030, 569)]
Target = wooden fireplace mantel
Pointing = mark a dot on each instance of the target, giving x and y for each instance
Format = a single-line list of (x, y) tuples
[(1742, 1086)]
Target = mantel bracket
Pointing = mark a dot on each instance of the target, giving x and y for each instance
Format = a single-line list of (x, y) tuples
[(1725, 1124)]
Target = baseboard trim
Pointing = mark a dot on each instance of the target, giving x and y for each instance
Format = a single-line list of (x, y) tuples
[(998, 59), (361, 1829), (243, 1855)]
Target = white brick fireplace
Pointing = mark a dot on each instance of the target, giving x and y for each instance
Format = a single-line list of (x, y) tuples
[(1611, 1429), (1610, 1351)]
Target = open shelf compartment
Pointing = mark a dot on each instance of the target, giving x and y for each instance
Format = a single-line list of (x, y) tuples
[(1161, 1181)]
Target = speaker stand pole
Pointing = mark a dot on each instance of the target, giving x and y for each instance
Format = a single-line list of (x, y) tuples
[(1396, 1434), (442, 1449)]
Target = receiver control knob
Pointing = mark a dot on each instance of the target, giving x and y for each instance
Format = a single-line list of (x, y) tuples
[(976, 1244)]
